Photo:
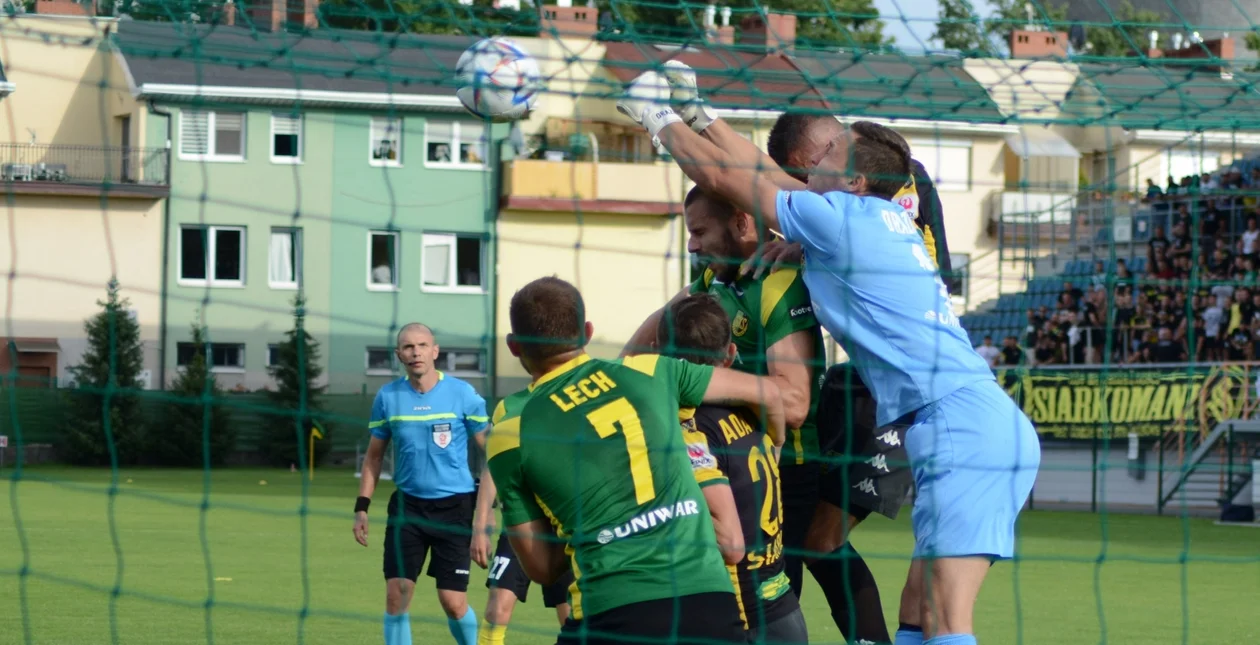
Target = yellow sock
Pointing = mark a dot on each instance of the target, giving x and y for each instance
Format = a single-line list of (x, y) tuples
[(491, 634)]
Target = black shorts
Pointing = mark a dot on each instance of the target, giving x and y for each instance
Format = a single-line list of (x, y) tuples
[(698, 618), (866, 469), (506, 573), (440, 528)]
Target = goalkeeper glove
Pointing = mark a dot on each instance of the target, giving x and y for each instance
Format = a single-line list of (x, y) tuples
[(646, 102), (682, 84)]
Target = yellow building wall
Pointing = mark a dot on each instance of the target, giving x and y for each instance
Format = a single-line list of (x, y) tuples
[(59, 66), (619, 262), (63, 250)]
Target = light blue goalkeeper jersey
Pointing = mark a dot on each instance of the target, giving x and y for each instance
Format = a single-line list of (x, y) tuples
[(878, 293)]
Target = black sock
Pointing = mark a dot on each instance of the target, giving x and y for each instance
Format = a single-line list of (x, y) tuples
[(851, 592)]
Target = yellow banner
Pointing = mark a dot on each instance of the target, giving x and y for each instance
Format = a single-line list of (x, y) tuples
[(1079, 403)]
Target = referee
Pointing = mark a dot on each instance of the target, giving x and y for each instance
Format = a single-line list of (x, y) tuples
[(430, 417)]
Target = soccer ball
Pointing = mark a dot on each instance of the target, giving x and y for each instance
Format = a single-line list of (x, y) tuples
[(497, 80)]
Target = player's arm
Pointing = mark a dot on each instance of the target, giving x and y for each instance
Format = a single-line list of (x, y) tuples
[(644, 337), (788, 365), (538, 550), (378, 425), (710, 470), (706, 384), (540, 553)]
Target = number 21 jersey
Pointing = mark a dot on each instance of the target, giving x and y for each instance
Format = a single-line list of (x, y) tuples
[(597, 450)]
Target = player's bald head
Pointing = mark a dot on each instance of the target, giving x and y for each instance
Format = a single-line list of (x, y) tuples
[(695, 329), (415, 330), (548, 318)]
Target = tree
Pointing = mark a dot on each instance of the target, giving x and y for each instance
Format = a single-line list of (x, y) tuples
[(105, 410), (1127, 35), (297, 397), (481, 18), (195, 420), (961, 28)]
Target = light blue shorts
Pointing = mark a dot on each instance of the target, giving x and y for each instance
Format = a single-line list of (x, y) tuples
[(974, 456)]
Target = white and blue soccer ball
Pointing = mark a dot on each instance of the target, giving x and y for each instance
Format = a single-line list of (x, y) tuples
[(497, 80)]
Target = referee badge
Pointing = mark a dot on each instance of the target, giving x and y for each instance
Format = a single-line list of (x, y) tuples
[(739, 326), (442, 434)]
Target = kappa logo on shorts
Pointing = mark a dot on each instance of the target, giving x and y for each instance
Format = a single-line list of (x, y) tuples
[(878, 462), (866, 486), (442, 434), (890, 438)]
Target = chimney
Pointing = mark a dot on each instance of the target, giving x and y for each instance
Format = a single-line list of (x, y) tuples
[(227, 13), (1038, 44), (279, 15), (302, 14), (65, 8), (569, 21), (1216, 54), (776, 31)]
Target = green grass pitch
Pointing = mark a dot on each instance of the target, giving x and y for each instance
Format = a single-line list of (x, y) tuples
[(259, 560)]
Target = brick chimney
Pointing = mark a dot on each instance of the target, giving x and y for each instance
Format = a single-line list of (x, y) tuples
[(65, 8), (279, 15), (1038, 44), (722, 35), (1219, 50), (568, 21), (775, 31), (227, 13)]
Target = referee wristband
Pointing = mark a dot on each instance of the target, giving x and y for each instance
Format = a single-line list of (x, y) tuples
[(361, 504)]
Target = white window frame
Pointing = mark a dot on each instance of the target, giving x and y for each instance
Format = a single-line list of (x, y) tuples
[(386, 120), (394, 271), (456, 133), (211, 119), (271, 347), (296, 234), (301, 139), (235, 369), (931, 161), (367, 362), (449, 366), (451, 241), (211, 243)]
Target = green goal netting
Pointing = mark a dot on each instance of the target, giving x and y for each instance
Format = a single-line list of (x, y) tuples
[(218, 216)]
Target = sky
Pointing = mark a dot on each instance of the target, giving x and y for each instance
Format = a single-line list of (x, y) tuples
[(911, 22)]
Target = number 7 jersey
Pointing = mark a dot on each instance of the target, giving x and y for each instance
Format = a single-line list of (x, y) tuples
[(597, 450)]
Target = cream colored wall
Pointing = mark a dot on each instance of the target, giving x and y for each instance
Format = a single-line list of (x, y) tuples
[(59, 67), (620, 267), (575, 80), (63, 251)]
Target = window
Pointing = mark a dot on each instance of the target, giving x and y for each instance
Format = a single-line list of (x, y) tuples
[(212, 136), (947, 161), (380, 361), (286, 138), (470, 362), (454, 144), (284, 263), (385, 141), (273, 354), (222, 357), (213, 255), (382, 260), (452, 263)]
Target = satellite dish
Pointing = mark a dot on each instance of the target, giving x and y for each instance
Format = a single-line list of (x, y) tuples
[(1076, 36)]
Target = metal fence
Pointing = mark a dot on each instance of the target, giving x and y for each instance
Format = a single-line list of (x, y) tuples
[(21, 162)]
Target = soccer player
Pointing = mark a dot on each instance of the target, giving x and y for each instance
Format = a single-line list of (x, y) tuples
[(698, 329), (507, 581), (430, 418), (597, 455), (776, 335), (973, 453)]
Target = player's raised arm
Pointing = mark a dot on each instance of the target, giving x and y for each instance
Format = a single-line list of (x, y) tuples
[(702, 120), (644, 338), (704, 384), (715, 171)]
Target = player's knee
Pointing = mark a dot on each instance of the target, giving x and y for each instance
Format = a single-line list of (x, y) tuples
[(499, 608), (398, 595), (454, 603)]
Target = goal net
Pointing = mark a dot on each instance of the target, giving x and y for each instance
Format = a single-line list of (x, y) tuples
[(218, 216)]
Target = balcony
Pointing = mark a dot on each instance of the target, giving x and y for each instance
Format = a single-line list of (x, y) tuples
[(42, 169)]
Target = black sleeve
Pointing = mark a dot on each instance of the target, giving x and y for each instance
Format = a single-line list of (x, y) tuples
[(932, 217), (707, 423)]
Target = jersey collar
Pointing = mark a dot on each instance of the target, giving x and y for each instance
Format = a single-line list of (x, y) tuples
[(558, 371)]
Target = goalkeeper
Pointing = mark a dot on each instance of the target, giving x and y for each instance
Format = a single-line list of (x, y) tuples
[(973, 453)]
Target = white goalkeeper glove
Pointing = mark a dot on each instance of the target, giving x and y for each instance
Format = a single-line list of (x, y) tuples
[(682, 85), (646, 102)]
